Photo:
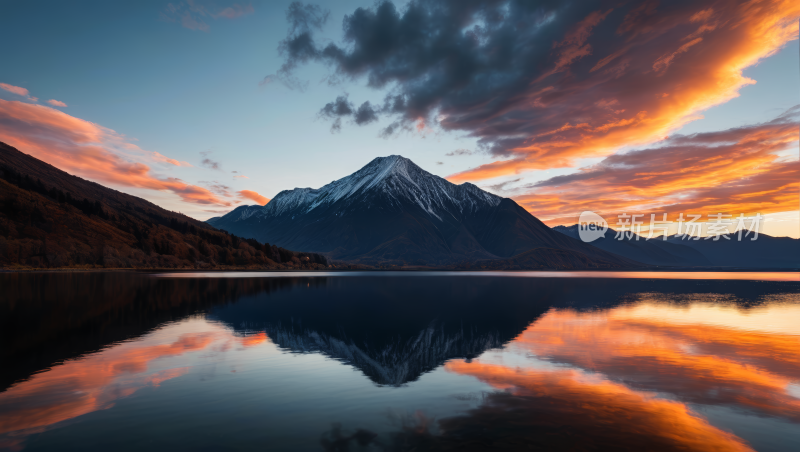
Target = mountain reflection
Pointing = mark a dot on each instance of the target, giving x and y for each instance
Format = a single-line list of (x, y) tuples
[(391, 363)]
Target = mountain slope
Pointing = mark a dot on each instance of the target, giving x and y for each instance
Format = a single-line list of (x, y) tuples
[(393, 212), (49, 218), (653, 252), (764, 252)]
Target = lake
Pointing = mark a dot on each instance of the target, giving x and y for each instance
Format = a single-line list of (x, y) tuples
[(400, 361)]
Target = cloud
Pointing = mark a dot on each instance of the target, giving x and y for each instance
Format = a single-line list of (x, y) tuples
[(211, 164), (459, 152), (89, 150), (253, 196), (19, 91), (161, 158), (342, 107), (96, 381), (93, 383), (585, 406), (56, 103), (192, 13), (541, 85), (339, 107), (241, 176), (218, 188), (732, 367), (739, 170)]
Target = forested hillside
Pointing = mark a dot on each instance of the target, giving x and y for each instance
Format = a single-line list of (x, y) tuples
[(51, 219)]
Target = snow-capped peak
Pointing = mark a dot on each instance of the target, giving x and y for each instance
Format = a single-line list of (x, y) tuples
[(395, 179)]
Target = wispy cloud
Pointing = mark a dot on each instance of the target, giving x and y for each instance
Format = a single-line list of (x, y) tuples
[(253, 196), (90, 150), (192, 14), (210, 164), (56, 103), (459, 152), (19, 91)]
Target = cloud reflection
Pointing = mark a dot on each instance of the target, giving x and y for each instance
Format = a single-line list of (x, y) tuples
[(641, 367), (96, 381)]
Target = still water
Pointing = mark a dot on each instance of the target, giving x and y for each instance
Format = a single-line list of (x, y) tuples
[(386, 362)]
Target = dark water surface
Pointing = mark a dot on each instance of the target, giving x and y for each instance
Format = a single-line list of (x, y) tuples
[(399, 362)]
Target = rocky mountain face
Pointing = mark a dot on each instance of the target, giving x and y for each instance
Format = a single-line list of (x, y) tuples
[(393, 212)]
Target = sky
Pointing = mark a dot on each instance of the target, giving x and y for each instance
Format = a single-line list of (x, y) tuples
[(614, 107)]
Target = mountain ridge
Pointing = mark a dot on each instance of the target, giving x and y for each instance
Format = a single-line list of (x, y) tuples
[(677, 251)]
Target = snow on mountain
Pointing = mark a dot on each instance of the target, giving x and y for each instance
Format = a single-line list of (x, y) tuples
[(395, 177)]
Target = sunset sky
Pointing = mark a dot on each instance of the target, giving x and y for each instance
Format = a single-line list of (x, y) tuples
[(615, 107)]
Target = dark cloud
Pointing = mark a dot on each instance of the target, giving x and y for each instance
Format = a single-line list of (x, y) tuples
[(544, 83), (365, 114), (218, 188), (299, 46), (336, 126), (459, 152), (440, 163), (208, 163), (501, 187), (340, 107), (192, 13)]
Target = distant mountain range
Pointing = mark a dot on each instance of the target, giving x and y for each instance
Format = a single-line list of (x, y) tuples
[(51, 219), (392, 212), (685, 251)]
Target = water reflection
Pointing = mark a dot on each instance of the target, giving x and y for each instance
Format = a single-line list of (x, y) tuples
[(96, 381), (650, 361), (469, 363)]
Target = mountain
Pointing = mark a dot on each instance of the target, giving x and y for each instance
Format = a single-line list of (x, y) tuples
[(684, 251), (49, 218), (765, 252), (393, 212), (653, 252)]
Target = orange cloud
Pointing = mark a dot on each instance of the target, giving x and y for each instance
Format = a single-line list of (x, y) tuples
[(88, 150), (253, 196), (734, 171), (56, 103), (14, 89), (701, 53)]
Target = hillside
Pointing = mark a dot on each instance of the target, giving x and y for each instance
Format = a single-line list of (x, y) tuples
[(51, 219)]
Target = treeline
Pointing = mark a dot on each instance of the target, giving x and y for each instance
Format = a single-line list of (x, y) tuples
[(25, 182), (43, 225)]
